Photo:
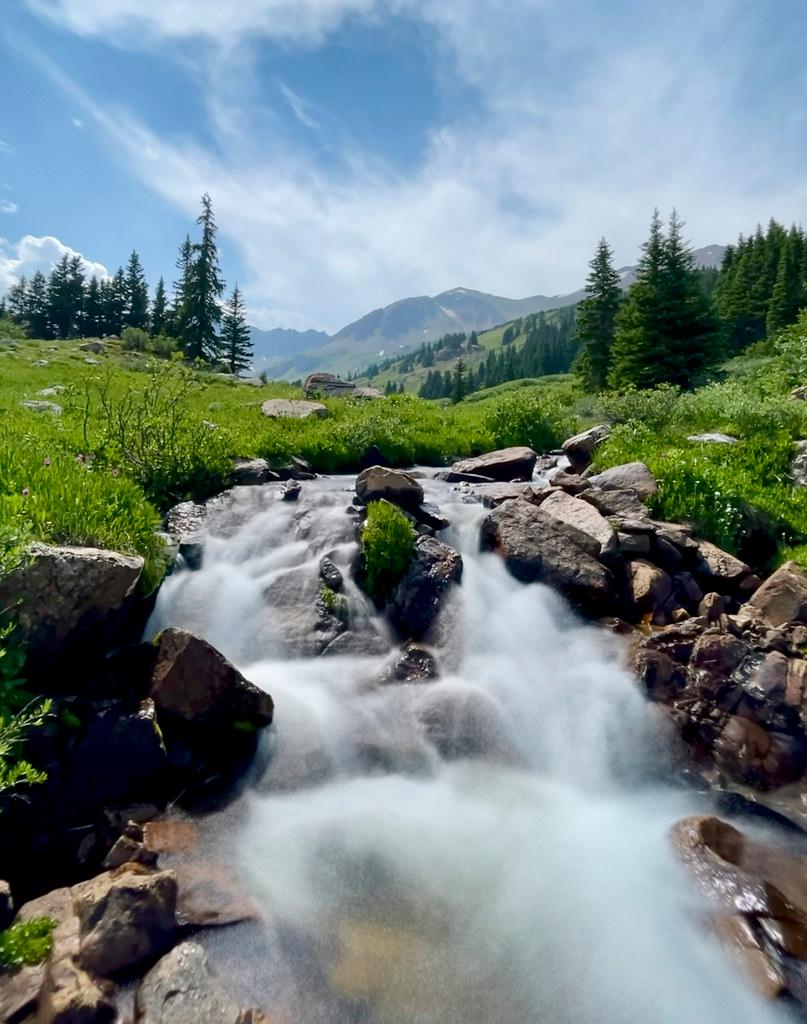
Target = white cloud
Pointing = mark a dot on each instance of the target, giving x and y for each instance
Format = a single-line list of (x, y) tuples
[(299, 107), (4, 147), (584, 124), (77, 123), (31, 254), (6, 206)]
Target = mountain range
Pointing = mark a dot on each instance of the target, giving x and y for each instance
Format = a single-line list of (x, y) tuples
[(282, 352)]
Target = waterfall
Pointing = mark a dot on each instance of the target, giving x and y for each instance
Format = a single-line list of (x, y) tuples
[(487, 847)]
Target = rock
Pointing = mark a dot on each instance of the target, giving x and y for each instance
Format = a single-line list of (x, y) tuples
[(799, 393), (721, 567), (19, 994), (569, 482), (782, 597), (712, 439), (431, 516), (537, 547), (453, 477), (368, 393), (180, 989), (96, 347), (649, 586), (579, 450), (125, 917), (412, 665), (70, 996), (292, 408), (379, 482), (251, 472), (290, 491), (92, 362), (633, 544), (713, 606), (632, 476), (583, 517), (192, 680), (759, 757), (798, 468), (66, 597), (328, 384), (418, 598), (494, 494), (6, 905), (330, 574), (719, 653), (754, 963), (35, 405), (504, 465), (52, 392), (616, 502), (129, 850), (462, 722)]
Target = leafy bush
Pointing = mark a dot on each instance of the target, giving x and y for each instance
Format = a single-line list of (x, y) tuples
[(654, 407), (8, 329), (531, 417), (388, 543), (134, 339), (26, 943)]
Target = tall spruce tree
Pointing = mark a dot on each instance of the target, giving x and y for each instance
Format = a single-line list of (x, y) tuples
[(787, 292), (159, 310), (596, 319), (666, 331), (92, 320), (113, 302), (18, 302), (38, 320), (65, 296), (236, 341), (181, 289), (205, 286), (136, 308)]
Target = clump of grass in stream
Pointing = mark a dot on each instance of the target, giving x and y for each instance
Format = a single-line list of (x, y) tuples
[(388, 543), (26, 943)]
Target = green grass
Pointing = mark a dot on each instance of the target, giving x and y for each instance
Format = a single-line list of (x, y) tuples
[(388, 542), (26, 943)]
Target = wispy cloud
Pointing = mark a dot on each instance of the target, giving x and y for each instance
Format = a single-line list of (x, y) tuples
[(77, 123), (6, 206), (300, 108), (4, 147)]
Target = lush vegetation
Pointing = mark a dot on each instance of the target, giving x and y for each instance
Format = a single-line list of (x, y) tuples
[(26, 943), (388, 542)]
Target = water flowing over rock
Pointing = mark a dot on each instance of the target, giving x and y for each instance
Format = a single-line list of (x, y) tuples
[(504, 465), (418, 598), (579, 450), (537, 547), (292, 408)]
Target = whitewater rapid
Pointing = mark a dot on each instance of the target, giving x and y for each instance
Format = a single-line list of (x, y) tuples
[(525, 878)]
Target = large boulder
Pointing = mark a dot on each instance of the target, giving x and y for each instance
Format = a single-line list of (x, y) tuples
[(328, 384), (435, 568), (193, 681), (583, 516), (723, 570), (125, 917), (782, 597), (249, 472), (650, 587), (180, 989), (378, 482), (505, 464), (631, 476), (579, 450), (292, 408), (68, 598), (537, 547)]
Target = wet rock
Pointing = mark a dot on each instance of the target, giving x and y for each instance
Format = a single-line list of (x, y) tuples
[(537, 547), (738, 938), (503, 465), (782, 597), (35, 405), (251, 472), (632, 476), (713, 606), (69, 597), (759, 757), (579, 450), (430, 515), (720, 653), (462, 723), (649, 586), (380, 483), (291, 408), (330, 574), (181, 989), (290, 491), (328, 384), (412, 665), (192, 680), (125, 917), (435, 568), (584, 517), (451, 476), (716, 438)]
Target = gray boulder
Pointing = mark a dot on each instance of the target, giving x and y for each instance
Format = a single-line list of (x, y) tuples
[(505, 464), (714, 438), (537, 547), (583, 516), (251, 472), (328, 384), (180, 989), (35, 405), (782, 597), (291, 408), (579, 450), (631, 476), (379, 483)]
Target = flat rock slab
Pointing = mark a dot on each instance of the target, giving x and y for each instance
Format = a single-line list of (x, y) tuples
[(293, 408), (180, 989), (582, 516), (505, 464), (631, 476)]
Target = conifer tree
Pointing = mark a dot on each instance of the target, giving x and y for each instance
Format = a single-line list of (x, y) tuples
[(113, 302), (236, 342), (596, 319), (202, 312), (18, 302), (37, 311), (65, 296), (137, 295), (159, 310), (459, 382), (182, 289), (92, 317), (787, 291)]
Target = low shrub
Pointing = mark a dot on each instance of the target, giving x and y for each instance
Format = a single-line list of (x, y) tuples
[(530, 417), (653, 407), (26, 943), (388, 543), (14, 770)]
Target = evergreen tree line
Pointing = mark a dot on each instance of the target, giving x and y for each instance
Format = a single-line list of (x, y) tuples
[(676, 322), (67, 305)]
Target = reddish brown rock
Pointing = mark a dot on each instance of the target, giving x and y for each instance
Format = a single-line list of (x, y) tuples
[(782, 598)]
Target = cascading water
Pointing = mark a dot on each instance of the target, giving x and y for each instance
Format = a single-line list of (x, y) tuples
[(488, 847)]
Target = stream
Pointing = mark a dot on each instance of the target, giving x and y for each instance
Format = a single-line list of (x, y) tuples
[(488, 847)]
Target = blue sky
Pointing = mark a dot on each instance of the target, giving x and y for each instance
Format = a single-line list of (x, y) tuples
[(358, 151)]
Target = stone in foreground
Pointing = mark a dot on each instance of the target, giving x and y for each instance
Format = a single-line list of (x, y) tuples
[(504, 465), (379, 482), (631, 476), (180, 989), (579, 450), (782, 597), (292, 408), (418, 598), (584, 517)]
